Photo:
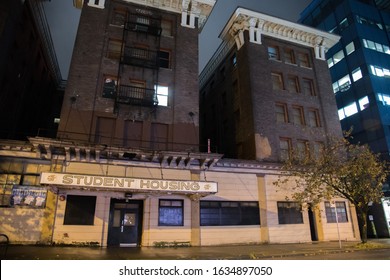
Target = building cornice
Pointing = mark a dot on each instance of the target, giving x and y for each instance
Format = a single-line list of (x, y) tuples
[(189, 9), (258, 24)]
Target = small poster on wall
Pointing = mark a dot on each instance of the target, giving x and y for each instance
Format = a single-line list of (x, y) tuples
[(29, 196)]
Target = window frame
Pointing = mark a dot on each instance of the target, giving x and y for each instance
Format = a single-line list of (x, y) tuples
[(164, 62), (162, 96), (277, 77), (298, 114), (316, 120), (281, 117), (273, 52), (287, 216), (74, 215), (229, 213), (163, 208), (285, 153), (340, 209)]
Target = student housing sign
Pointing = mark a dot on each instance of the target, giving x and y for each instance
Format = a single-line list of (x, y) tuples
[(127, 183)]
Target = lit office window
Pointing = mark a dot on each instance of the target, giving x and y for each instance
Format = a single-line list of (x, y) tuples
[(342, 85), (350, 48), (350, 110), (379, 71), (341, 114), (357, 74), (384, 98), (364, 103)]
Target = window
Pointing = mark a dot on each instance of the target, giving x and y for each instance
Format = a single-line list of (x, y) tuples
[(331, 210), (285, 148), (379, 71), (226, 213), (304, 60), (114, 49), (364, 103), (298, 116), (118, 17), (162, 95), (170, 212), (277, 81), (357, 74), (281, 113), (164, 59), (338, 57), (273, 53), (80, 210), (293, 84), (234, 60), (308, 87), (289, 213), (318, 148), (109, 86), (303, 151), (289, 56), (314, 118), (348, 111), (166, 26), (350, 48), (344, 24), (342, 85), (384, 98)]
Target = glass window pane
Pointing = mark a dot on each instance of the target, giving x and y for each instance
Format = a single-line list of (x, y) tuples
[(357, 74), (350, 48), (350, 109), (364, 103)]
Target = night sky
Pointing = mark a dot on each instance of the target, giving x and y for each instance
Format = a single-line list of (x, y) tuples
[(63, 20)]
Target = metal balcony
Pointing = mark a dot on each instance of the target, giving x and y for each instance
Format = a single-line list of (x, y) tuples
[(144, 24), (140, 57), (131, 95)]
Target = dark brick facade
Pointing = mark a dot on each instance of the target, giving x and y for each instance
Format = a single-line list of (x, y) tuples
[(238, 107), (87, 115)]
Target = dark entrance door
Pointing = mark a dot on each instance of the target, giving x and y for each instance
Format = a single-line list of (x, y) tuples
[(125, 224), (312, 221)]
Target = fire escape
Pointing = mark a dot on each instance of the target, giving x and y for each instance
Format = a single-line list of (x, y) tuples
[(139, 62)]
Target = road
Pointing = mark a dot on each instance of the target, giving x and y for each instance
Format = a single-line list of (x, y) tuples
[(379, 254)]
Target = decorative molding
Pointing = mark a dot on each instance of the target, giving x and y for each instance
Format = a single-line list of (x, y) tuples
[(258, 24)]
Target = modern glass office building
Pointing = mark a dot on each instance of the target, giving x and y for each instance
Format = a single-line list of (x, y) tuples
[(360, 70)]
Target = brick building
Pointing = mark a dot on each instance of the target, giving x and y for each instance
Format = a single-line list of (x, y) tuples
[(259, 100), (29, 72)]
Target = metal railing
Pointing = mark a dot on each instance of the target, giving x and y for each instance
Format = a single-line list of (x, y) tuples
[(140, 57), (136, 96)]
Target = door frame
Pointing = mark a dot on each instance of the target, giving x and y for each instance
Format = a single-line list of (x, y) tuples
[(111, 217)]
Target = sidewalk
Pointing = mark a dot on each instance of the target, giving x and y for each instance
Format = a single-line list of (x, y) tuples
[(238, 252)]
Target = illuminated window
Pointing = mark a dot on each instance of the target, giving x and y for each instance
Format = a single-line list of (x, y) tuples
[(357, 74), (384, 98), (162, 95), (170, 212), (364, 103), (350, 48)]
